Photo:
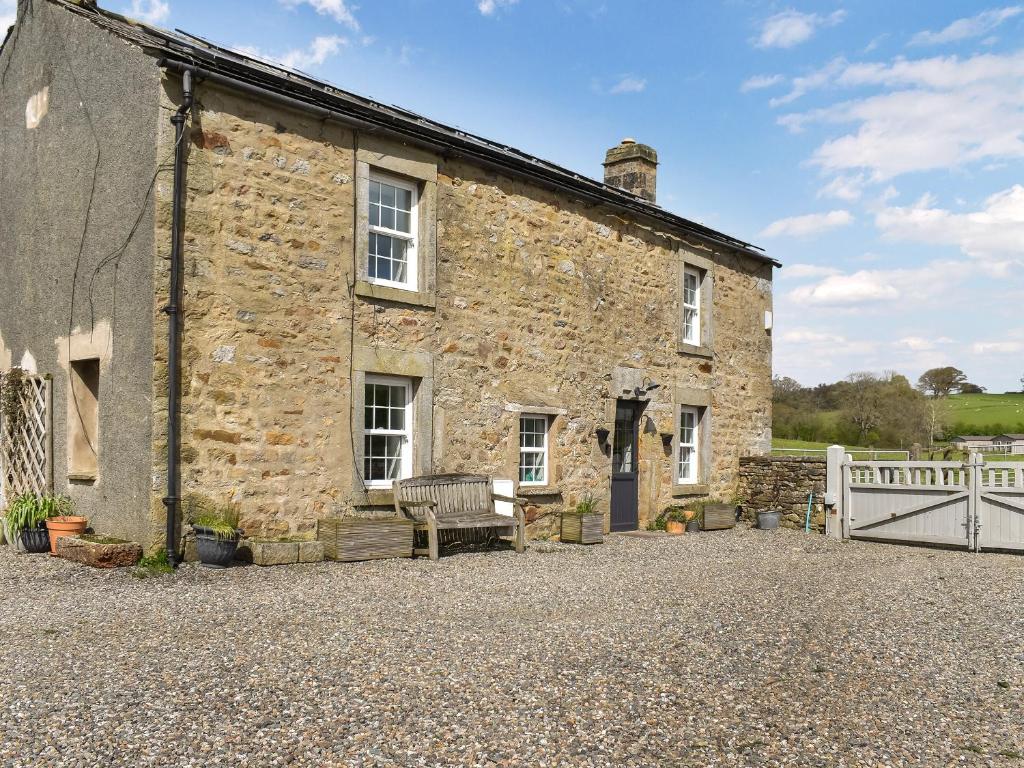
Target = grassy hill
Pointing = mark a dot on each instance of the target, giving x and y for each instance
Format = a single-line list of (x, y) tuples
[(988, 410)]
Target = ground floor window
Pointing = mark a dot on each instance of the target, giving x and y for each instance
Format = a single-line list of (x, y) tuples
[(533, 449), (387, 430), (687, 464)]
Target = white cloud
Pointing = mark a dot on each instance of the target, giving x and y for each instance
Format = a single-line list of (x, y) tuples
[(757, 82), (490, 7), (973, 26), (313, 55), (789, 28), (880, 286), (147, 11), (810, 82), (628, 84), (935, 113), (808, 224), (811, 336), (847, 188), (859, 288), (997, 347), (336, 9), (921, 344), (993, 235)]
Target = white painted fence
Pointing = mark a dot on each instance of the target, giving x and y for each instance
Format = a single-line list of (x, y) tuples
[(974, 505)]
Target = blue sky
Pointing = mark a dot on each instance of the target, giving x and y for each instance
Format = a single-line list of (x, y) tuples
[(874, 147)]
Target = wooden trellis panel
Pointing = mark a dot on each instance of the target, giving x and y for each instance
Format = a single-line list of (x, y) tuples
[(26, 449)]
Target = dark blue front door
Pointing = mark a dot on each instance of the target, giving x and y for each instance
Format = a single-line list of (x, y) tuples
[(624, 515)]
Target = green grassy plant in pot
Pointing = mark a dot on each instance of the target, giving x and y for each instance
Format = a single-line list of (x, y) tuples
[(675, 520), (26, 518), (217, 534), (584, 524), (60, 521)]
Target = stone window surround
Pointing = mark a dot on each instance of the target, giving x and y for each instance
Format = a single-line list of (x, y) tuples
[(511, 468), (83, 346), (701, 400), (392, 157), (418, 366), (689, 259)]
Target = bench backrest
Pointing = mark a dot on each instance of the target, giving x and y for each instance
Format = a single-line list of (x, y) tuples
[(453, 495)]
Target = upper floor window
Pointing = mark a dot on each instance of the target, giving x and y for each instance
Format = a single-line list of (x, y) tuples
[(387, 430), (533, 449), (392, 232), (691, 306), (686, 467)]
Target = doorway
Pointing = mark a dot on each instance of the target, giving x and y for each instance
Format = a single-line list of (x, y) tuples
[(625, 482)]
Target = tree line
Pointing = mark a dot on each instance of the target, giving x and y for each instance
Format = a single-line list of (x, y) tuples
[(880, 410)]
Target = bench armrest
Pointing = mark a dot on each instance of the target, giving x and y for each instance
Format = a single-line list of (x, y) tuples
[(510, 499)]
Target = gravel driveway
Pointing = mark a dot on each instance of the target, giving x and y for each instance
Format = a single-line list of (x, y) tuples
[(732, 648)]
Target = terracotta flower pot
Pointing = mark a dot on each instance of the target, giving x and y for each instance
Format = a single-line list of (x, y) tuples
[(675, 526), (71, 525)]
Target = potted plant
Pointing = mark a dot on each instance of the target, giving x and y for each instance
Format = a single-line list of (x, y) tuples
[(675, 520), (768, 518), (584, 524), (692, 517), (60, 521), (26, 517), (217, 534)]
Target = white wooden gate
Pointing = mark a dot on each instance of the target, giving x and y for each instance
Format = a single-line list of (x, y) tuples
[(973, 505), (1000, 502)]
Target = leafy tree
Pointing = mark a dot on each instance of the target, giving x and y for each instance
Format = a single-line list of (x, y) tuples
[(940, 382), (971, 389)]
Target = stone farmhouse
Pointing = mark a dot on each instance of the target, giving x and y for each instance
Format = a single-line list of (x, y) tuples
[(332, 293)]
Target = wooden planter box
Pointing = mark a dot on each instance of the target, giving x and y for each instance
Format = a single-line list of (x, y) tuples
[(353, 538), (583, 529), (718, 517)]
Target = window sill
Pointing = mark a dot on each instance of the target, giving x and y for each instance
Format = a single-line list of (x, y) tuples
[(694, 350), (370, 290), (539, 490), (82, 477), (697, 489)]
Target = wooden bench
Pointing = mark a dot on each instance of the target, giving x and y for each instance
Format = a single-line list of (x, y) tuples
[(456, 502)]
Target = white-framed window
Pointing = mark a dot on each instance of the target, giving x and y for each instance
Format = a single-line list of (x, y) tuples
[(533, 449), (387, 430), (392, 232), (691, 306), (687, 459)]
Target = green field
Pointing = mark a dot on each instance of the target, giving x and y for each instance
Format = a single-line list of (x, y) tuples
[(783, 447), (986, 410)]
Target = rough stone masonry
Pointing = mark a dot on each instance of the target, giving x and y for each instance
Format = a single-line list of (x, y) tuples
[(786, 484), (540, 302), (536, 292)]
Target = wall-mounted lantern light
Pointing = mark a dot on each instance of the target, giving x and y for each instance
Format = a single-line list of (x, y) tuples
[(646, 387)]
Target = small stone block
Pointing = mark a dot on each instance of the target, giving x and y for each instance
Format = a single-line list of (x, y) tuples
[(311, 551), (99, 553), (274, 552)]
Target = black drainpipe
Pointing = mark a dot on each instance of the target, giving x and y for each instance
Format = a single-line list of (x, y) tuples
[(172, 499)]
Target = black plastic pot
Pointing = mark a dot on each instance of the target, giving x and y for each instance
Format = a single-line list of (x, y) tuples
[(36, 540), (693, 526), (215, 551)]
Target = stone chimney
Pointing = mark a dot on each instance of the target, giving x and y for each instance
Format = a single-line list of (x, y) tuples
[(632, 167)]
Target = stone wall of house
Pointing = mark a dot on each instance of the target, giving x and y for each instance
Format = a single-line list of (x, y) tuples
[(541, 301), (783, 483)]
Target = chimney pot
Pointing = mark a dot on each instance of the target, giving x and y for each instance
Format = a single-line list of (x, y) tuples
[(632, 167)]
